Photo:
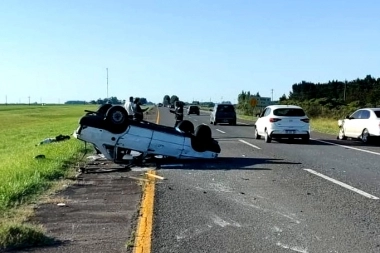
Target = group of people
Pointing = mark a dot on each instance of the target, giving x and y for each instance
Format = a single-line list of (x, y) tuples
[(134, 110)]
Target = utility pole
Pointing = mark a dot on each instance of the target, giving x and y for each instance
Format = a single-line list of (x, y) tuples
[(29, 100), (6, 100), (107, 83), (272, 94)]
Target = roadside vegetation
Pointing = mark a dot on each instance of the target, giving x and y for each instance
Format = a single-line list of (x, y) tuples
[(23, 177)]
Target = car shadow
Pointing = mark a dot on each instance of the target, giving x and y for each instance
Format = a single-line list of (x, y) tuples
[(221, 163), (348, 142)]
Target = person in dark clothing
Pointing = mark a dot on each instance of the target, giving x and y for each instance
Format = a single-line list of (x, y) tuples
[(138, 111), (178, 113)]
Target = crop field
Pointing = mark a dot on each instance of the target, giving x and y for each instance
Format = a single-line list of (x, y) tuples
[(23, 177)]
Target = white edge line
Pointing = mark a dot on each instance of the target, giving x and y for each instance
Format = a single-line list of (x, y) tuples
[(249, 144), (344, 146), (242, 123), (342, 184), (220, 131)]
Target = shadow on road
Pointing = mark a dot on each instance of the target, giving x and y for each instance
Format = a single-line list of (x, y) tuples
[(222, 163), (349, 142)]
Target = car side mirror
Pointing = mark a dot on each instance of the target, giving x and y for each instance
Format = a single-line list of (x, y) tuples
[(348, 117), (258, 115)]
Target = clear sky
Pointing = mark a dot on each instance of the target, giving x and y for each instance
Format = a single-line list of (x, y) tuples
[(207, 49)]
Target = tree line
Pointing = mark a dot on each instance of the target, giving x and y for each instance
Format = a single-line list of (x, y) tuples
[(100, 101)]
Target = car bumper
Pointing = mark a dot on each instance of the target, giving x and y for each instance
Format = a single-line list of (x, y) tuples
[(289, 134)]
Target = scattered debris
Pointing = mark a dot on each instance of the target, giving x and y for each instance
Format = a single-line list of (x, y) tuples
[(40, 157), (156, 176), (138, 178), (55, 139), (61, 204)]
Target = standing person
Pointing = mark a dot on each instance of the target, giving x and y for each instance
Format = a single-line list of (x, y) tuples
[(178, 113), (129, 107), (138, 111)]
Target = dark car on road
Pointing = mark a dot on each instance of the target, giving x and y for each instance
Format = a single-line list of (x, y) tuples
[(193, 109), (223, 113)]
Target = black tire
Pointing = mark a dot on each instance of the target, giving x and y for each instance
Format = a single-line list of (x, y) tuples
[(117, 115), (102, 110), (267, 138), (365, 136), (203, 132), (186, 126), (341, 135), (257, 136)]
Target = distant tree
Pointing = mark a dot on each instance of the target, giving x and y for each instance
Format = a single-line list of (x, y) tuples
[(282, 98), (166, 100), (143, 101), (93, 102), (100, 101), (173, 99)]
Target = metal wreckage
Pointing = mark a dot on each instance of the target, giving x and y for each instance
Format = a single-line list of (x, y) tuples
[(117, 136)]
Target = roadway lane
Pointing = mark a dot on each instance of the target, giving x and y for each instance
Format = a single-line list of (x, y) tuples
[(348, 161), (260, 199)]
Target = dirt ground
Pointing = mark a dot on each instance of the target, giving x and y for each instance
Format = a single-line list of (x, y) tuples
[(97, 213)]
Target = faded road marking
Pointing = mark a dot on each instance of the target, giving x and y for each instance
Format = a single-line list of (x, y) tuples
[(342, 184), (220, 131), (242, 123), (249, 144)]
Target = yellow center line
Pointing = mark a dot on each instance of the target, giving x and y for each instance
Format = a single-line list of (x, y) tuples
[(143, 240)]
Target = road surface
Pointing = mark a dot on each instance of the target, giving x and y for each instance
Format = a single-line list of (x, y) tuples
[(269, 197)]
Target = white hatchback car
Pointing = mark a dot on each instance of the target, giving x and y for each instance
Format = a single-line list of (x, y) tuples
[(362, 124), (282, 121)]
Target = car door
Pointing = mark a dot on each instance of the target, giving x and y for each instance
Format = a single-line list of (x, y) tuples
[(362, 122), (350, 124), (260, 122)]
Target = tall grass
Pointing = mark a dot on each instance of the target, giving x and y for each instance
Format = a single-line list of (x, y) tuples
[(21, 128)]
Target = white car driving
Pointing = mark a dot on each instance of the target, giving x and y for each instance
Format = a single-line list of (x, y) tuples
[(282, 121), (362, 124)]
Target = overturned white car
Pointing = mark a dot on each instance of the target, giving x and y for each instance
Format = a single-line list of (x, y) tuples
[(115, 135)]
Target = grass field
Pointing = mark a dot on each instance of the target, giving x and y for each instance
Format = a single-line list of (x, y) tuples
[(23, 177)]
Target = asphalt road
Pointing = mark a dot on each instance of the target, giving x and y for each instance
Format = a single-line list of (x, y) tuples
[(269, 197)]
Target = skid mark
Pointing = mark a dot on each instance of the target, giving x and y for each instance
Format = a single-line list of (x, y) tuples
[(295, 248), (192, 232), (223, 223)]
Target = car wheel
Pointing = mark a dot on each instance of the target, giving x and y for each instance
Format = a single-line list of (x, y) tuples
[(203, 132), (186, 126), (341, 135), (365, 136), (257, 136), (267, 138), (117, 115)]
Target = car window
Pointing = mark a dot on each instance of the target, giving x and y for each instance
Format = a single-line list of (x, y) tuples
[(356, 115), (377, 113), (263, 112), (365, 114), (226, 108), (267, 112), (289, 112)]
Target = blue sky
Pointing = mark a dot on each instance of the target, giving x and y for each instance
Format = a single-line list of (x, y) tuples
[(59, 50)]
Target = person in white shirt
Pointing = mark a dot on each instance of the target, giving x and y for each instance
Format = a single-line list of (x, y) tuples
[(129, 107)]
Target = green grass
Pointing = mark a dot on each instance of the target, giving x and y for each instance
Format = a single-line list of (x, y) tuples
[(324, 125), (23, 177)]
